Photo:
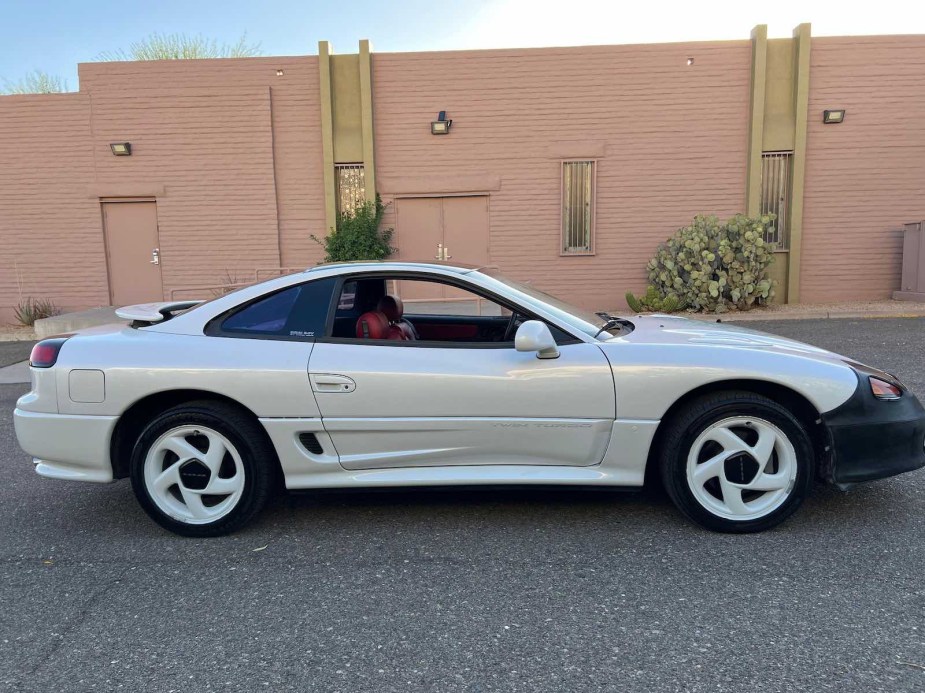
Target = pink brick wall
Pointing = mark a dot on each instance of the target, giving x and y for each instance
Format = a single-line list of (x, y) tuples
[(250, 164), (231, 149), (866, 176), (234, 153), (673, 139), (51, 242)]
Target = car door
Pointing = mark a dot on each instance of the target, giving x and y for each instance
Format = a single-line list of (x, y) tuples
[(422, 403)]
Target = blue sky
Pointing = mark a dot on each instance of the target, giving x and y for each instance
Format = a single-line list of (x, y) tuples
[(54, 35)]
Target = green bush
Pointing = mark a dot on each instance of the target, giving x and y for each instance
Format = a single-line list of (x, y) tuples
[(358, 236), (651, 301), (716, 266), (29, 310)]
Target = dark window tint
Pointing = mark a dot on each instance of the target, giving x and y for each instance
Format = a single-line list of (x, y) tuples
[(347, 296), (299, 311)]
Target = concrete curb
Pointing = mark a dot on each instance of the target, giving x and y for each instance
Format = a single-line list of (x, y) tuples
[(815, 315)]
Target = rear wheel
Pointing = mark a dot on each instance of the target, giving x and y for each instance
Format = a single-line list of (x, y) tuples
[(202, 469), (736, 462)]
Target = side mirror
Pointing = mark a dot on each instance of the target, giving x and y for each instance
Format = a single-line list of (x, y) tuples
[(534, 335)]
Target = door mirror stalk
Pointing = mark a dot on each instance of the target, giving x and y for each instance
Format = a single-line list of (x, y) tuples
[(534, 335)]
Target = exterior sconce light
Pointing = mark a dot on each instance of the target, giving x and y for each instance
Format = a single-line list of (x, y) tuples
[(833, 116), (440, 126), (121, 148)]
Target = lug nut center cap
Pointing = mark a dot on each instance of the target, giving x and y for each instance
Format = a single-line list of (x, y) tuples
[(741, 468)]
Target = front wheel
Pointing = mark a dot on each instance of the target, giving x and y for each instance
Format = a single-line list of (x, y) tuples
[(202, 469), (736, 462)]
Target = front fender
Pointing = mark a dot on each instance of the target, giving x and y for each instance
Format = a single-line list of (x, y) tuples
[(649, 378)]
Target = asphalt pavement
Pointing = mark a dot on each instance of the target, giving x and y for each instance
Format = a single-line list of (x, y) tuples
[(489, 590)]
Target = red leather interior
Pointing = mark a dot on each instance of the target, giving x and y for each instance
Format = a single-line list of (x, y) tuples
[(393, 310), (374, 325)]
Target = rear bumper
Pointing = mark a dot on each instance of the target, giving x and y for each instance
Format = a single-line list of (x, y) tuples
[(874, 439), (66, 446)]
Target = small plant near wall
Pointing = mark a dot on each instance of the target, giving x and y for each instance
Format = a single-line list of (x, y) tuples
[(652, 301), (28, 310), (358, 236), (713, 266)]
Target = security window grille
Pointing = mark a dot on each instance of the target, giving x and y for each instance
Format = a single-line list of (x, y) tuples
[(775, 196), (351, 187), (577, 206)]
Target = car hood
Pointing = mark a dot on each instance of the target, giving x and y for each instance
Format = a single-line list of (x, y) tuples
[(666, 329)]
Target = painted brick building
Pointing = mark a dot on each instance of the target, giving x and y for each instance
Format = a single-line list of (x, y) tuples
[(563, 166)]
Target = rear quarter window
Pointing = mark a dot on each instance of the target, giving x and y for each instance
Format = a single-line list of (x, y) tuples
[(298, 312)]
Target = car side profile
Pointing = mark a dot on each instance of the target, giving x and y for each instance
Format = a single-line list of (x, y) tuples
[(402, 374)]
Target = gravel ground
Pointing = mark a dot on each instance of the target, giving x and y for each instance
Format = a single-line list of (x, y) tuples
[(470, 591)]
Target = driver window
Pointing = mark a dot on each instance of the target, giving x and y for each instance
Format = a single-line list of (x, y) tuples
[(421, 310)]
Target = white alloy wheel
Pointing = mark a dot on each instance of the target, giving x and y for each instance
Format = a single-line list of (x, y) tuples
[(742, 468), (194, 474)]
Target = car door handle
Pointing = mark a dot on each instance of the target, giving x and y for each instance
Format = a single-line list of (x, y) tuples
[(330, 382)]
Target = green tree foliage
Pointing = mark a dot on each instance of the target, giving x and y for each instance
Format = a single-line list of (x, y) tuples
[(182, 47), (358, 236), (715, 266), (36, 82)]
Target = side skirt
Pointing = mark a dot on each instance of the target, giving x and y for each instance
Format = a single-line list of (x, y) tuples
[(623, 464)]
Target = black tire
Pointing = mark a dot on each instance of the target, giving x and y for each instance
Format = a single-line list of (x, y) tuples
[(252, 444), (696, 417)]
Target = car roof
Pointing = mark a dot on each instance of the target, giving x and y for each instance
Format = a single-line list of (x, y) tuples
[(388, 265)]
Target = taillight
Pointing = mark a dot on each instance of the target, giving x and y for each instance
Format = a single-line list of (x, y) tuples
[(883, 389), (45, 353)]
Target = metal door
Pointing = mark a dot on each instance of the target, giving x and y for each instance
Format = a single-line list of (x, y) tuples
[(132, 252), (388, 406)]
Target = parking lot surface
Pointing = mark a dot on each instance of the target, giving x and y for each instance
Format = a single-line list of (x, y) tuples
[(488, 590)]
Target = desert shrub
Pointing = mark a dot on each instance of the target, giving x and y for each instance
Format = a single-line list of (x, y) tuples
[(716, 266), (652, 301), (358, 236), (29, 310)]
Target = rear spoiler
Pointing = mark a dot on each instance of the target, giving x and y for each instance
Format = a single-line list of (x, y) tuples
[(150, 313)]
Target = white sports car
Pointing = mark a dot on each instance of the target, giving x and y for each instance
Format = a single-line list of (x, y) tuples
[(400, 374)]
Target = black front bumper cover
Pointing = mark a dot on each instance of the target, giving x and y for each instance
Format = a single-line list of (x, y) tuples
[(872, 438)]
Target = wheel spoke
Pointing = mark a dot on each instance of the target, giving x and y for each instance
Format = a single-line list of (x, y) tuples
[(221, 487), (763, 449), (216, 453), (732, 497), (194, 503), (770, 482), (181, 447), (729, 440), (169, 477), (713, 467)]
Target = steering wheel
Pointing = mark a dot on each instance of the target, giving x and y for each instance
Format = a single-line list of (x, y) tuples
[(511, 328)]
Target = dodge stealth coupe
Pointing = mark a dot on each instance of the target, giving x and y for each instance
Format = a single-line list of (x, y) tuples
[(400, 374)]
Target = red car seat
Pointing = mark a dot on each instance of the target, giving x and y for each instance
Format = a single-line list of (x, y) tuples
[(393, 309), (374, 325)]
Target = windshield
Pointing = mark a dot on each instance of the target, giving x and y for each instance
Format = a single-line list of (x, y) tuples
[(586, 320)]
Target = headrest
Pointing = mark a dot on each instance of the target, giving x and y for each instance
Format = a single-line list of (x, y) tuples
[(391, 307)]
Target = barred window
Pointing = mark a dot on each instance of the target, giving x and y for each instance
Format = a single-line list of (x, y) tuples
[(351, 186), (775, 196), (577, 207)]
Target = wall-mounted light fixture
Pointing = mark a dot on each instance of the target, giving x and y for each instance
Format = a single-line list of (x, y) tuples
[(280, 73), (440, 126), (121, 148), (830, 116)]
